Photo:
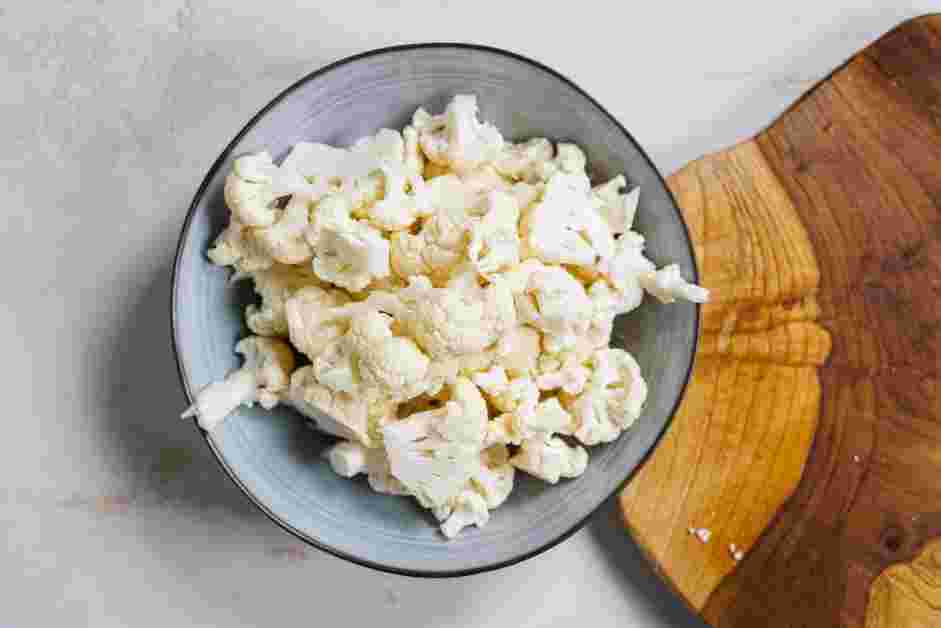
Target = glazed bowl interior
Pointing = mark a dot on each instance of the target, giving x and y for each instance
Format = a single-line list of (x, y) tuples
[(276, 459)]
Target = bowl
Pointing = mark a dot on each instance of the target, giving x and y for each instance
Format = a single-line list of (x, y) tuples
[(275, 458)]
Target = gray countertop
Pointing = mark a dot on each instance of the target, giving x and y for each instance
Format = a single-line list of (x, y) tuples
[(113, 511)]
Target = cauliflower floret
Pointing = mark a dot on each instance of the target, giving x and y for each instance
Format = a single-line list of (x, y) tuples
[(434, 453), (437, 250), (235, 247), (570, 376), (461, 318), (612, 400), (404, 199), (284, 240), (564, 227), (275, 286), (347, 459), (335, 367), (530, 420), (570, 158), (263, 377), (494, 479), (413, 158), (494, 240), (524, 161), (254, 185), (349, 253), (518, 350), (551, 459), (617, 209), (388, 365), (624, 269), (312, 318), (337, 413), (668, 285), (518, 396), (555, 303), (379, 473), (467, 509), (458, 139)]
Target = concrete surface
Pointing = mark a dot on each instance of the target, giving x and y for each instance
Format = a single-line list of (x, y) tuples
[(113, 512)]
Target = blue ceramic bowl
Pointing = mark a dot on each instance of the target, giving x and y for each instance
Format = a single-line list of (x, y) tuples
[(275, 458)]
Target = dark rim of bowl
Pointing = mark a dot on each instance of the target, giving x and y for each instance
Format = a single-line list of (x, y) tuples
[(173, 303)]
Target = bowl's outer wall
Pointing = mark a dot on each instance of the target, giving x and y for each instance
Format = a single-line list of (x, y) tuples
[(276, 458)]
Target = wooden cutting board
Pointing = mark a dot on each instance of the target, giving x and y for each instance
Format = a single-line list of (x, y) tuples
[(810, 435)]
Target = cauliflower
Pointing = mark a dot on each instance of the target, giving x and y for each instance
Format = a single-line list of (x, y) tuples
[(612, 400), (617, 209), (313, 318), (494, 479), (235, 247), (347, 459), (348, 253), (263, 377), (338, 413), (457, 138), (434, 453), (284, 240), (461, 318), (388, 365), (549, 460), (624, 269), (525, 161), (555, 303), (564, 227), (275, 285), (467, 509), (436, 250), (403, 200), (455, 295), (668, 285), (494, 240)]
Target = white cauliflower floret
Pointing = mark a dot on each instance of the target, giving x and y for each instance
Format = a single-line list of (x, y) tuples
[(434, 453), (388, 365), (348, 253), (530, 420), (413, 158), (482, 181), (467, 509), (347, 458), (612, 400), (564, 227), (437, 250), (340, 414), (624, 269), (284, 240), (380, 475), (461, 318), (235, 247), (668, 285), (458, 139), (570, 158), (570, 377), (524, 161), (494, 239), (518, 351), (312, 320), (551, 459), (555, 303), (275, 286), (617, 209), (254, 185), (404, 199), (335, 367), (494, 479), (263, 377)]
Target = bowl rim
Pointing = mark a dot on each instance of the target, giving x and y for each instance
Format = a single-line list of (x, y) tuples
[(198, 197)]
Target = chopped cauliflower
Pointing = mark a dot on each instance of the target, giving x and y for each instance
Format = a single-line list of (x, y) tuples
[(550, 460), (263, 377), (611, 401), (455, 295), (564, 227), (668, 285), (347, 252)]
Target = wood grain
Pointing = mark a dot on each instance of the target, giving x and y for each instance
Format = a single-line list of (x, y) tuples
[(831, 217)]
